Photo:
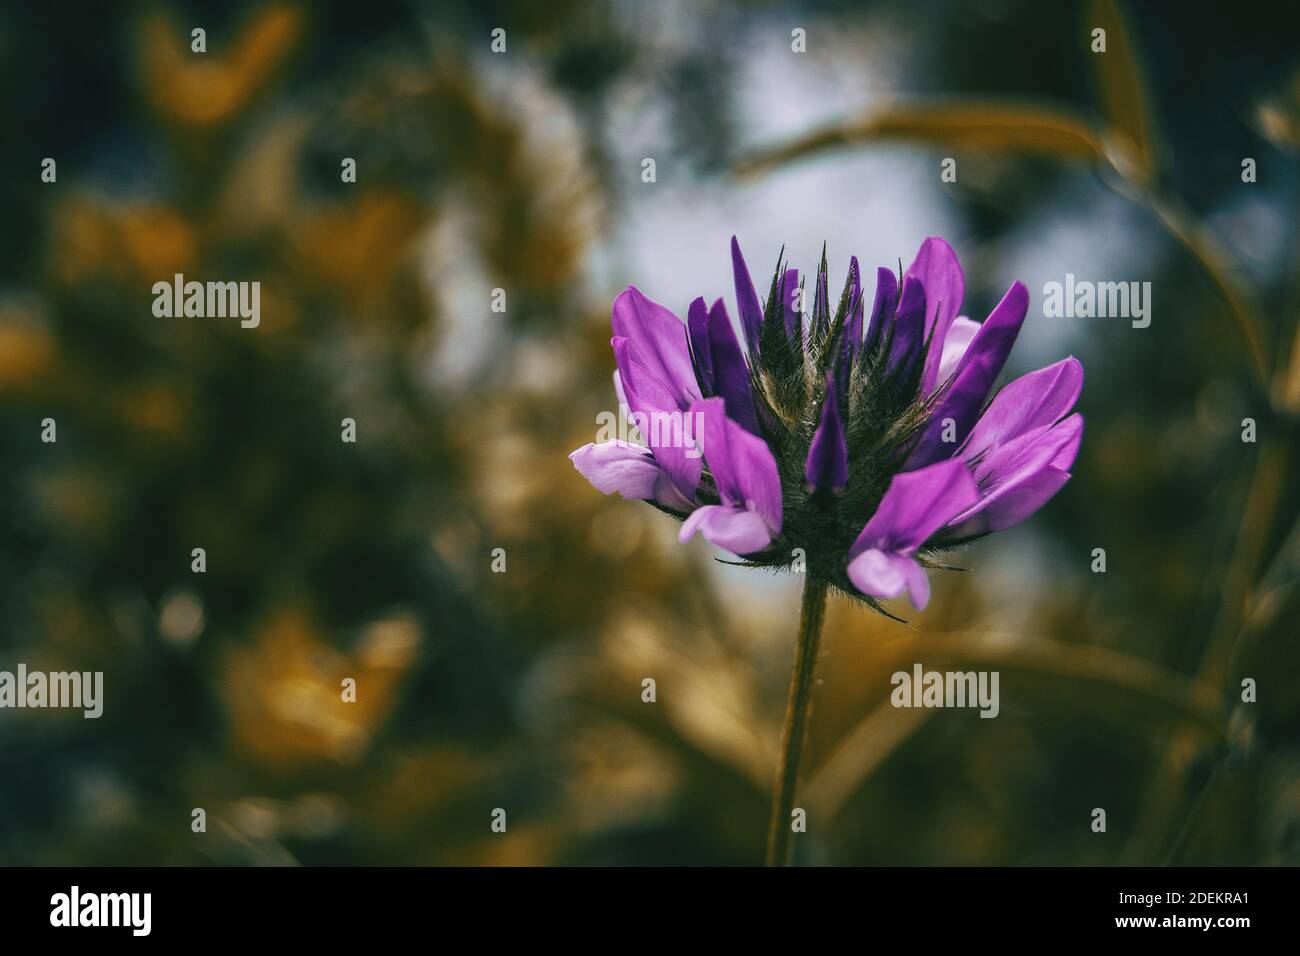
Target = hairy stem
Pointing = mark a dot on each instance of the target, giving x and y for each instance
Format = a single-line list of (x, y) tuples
[(798, 710)]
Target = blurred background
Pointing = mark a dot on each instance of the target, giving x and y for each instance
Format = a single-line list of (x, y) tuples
[(521, 690)]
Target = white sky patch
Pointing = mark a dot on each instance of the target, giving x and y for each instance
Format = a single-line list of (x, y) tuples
[(1099, 237), (468, 327), (673, 238), (784, 94)]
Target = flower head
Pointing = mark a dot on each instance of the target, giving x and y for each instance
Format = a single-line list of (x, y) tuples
[(866, 439)]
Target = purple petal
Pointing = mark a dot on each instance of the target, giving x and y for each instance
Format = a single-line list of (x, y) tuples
[(1064, 458), (658, 342), (618, 466), (828, 456), (915, 506), (853, 326), (670, 436), (751, 314), (909, 323), (730, 527), (954, 347), (730, 373), (937, 267), (1014, 505), (742, 465), (630, 470), (973, 378), (882, 310), (697, 330), (1026, 453), (886, 574), (1018, 478), (1031, 401)]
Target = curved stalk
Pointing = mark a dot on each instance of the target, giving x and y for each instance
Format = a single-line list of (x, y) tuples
[(798, 711)]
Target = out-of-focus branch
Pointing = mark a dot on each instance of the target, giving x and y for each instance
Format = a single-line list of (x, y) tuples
[(1156, 694), (973, 125)]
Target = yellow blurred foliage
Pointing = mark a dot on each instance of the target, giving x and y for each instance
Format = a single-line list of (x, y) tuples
[(203, 90), (27, 354), (284, 689), (358, 247), (131, 244)]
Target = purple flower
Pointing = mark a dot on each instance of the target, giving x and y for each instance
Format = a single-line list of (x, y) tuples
[(866, 439), (917, 505), (748, 515)]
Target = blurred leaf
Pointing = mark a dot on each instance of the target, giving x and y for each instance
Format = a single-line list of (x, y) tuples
[(863, 749), (1123, 97), (1183, 225), (1097, 679), (973, 125), (1287, 388), (702, 759), (207, 89), (1035, 131), (1268, 483)]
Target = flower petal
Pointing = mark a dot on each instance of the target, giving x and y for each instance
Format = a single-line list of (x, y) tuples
[(666, 429), (886, 574), (1019, 477), (751, 313), (915, 506), (628, 469), (909, 324), (1031, 401), (828, 456), (1065, 455), (728, 526), (741, 463), (730, 373), (882, 310), (954, 346), (697, 335), (937, 267), (974, 376), (852, 335), (658, 342)]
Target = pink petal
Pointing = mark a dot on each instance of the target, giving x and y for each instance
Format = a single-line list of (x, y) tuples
[(915, 506), (937, 267), (976, 372), (1031, 401), (658, 342), (1064, 459), (747, 305), (729, 527), (1013, 504), (646, 396), (628, 469), (1018, 478), (741, 463), (954, 347), (887, 574)]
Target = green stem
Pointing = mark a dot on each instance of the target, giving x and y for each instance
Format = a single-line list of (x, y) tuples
[(798, 710)]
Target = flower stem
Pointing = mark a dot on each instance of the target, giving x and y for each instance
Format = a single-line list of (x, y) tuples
[(798, 710)]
